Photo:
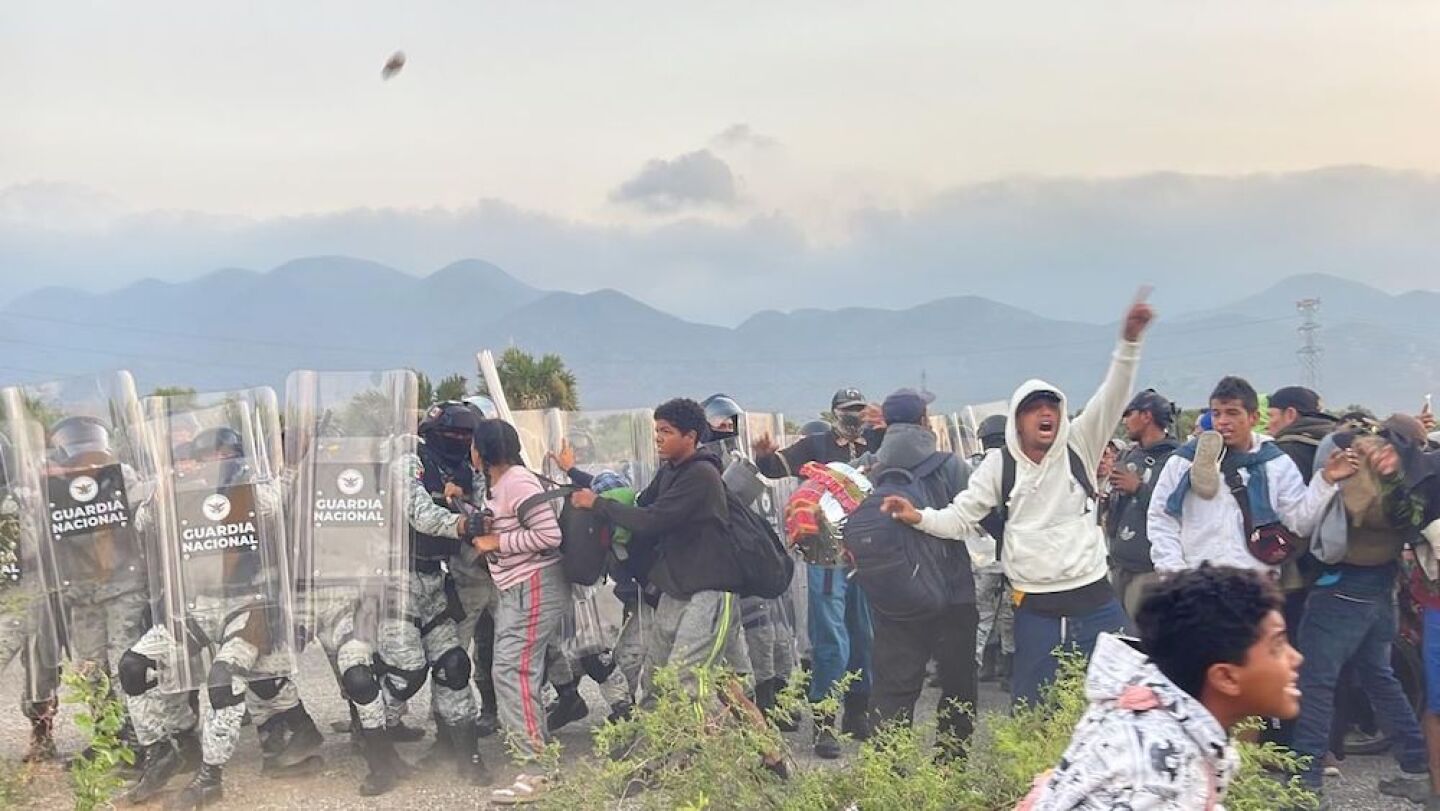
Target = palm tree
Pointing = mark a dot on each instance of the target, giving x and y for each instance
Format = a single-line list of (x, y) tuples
[(532, 384)]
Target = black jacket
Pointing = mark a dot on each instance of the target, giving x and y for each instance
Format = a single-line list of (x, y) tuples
[(1129, 541), (822, 448), (681, 528), (1301, 438)]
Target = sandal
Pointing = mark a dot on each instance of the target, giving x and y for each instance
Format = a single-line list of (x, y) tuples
[(527, 788)]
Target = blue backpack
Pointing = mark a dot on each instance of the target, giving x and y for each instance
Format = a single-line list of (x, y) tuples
[(905, 573)]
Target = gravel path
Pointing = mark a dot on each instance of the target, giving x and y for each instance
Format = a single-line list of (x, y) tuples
[(334, 787)]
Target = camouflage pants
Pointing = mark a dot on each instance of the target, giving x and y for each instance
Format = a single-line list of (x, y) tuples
[(421, 640), (769, 637), (347, 635), (157, 714), (18, 638), (478, 596), (101, 630)]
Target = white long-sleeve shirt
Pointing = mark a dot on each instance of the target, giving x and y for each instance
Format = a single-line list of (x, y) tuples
[(1213, 530)]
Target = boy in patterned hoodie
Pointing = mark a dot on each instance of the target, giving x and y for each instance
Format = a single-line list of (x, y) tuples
[(1157, 734)]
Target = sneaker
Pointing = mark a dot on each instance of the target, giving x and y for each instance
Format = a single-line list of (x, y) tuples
[(1415, 788), (1362, 743), (1332, 765), (827, 747), (1205, 471)]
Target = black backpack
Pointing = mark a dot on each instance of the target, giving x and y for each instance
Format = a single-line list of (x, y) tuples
[(585, 535), (905, 573), (765, 569), (994, 523)]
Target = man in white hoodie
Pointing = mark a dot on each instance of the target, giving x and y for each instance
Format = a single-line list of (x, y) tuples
[(1048, 532)]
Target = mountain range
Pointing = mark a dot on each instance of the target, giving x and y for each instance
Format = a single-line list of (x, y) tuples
[(236, 327)]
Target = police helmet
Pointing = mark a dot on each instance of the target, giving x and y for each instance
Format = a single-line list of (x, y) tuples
[(451, 416), (992, 431), (722, 415), (72, 437)]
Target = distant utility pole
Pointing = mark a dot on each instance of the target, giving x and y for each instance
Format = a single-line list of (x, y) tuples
[(1309, 352)]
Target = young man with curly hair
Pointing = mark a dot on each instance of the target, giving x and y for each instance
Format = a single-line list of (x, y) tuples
[(1212, 652)]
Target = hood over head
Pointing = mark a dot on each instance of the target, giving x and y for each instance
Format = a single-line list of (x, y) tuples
[(906, 445), (1029, 389)]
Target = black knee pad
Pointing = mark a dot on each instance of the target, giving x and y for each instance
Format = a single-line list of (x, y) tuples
[(360, 684), (267, 689), (401, 684), (452, 669), (222, 687), (135, 677)]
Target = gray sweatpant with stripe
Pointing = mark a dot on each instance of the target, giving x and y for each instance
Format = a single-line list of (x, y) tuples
[(702, 631), (527, 623)]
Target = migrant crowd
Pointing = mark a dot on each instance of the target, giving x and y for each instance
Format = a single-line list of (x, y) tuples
[(186, 547)]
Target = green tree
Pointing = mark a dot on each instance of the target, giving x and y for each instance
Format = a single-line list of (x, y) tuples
[(424, 388), (183, 397), (533, 384), (451, 387)]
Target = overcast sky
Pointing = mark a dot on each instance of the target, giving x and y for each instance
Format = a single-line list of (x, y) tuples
[(651, 122)]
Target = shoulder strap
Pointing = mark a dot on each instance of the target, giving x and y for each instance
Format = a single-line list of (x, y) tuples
[(1081, 474), (1007, 481), (1242, 497), (1001, 512), (552, 492)]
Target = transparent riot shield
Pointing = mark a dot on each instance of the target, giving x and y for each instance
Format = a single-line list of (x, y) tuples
[(349, 437), (771, 500), (219, 561), (622, 442), (81, 482)]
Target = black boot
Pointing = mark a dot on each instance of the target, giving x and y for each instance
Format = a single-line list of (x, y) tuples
[(272, 735), (990, 667), (191, 756), (620, 711), (471, 767), (827, 747), (42, 731), (162, 762), (405, 734), (765, 698), (382, 760), (304, 740), (569, 707), (443, 750), (205, 789), (856, 723), (785, 721), (489, 721)]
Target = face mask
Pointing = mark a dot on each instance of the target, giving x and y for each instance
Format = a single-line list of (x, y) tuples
[(850, 424), (450, 447)]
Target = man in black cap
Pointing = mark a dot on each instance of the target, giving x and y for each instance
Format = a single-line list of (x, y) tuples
[(849, 438), (905, 645), (839, 617), (1147, 423), (1298, 424)]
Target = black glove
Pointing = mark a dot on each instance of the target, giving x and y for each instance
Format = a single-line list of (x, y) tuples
[(474, 526)]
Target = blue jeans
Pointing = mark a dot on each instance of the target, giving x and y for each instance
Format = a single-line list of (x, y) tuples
[(1037, 636), (840, 632), (1353, 621)]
